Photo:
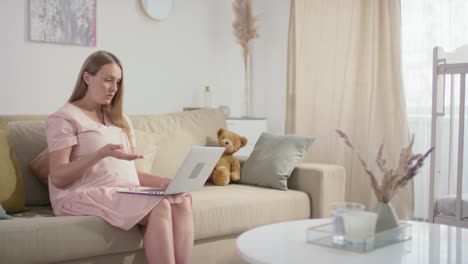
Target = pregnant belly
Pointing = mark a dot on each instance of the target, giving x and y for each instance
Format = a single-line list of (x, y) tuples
[(112, 172)]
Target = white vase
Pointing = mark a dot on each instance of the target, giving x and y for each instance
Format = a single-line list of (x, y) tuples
[(386, 217)]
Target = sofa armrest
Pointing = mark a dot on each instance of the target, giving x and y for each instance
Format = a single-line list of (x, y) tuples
[(323, 183)]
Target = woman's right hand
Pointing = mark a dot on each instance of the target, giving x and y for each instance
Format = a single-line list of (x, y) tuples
[(116, 151)]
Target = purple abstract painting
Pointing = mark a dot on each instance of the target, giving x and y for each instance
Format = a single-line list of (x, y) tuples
[(64, 21)]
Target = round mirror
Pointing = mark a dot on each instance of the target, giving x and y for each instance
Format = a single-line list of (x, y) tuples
[(156, 9)]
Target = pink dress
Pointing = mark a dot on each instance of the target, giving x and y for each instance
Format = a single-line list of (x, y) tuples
[(95, 192)]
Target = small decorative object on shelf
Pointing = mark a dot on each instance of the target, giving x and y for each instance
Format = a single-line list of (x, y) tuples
[(207, 96), (226, 110), (393, 180)]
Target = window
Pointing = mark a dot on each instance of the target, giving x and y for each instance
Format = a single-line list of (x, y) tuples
[(425, 25)]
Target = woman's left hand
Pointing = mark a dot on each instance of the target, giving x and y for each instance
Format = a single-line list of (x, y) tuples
[(150, 180)]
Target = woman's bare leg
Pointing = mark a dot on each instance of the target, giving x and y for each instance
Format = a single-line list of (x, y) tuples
[(182, 224), (159, 242)]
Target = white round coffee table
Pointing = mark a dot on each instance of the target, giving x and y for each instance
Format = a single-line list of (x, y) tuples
[(286, 243)]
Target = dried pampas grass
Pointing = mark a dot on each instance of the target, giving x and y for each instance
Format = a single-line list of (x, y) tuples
[(244, 25), (393, 179)]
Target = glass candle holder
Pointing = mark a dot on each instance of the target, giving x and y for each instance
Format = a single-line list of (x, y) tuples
[(359, 225), (336, 210)]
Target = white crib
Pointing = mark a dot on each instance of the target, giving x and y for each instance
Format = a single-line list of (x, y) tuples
[(448, 197)]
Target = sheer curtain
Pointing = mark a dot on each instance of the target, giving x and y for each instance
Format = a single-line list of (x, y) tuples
[(344, 72), (426, 24)]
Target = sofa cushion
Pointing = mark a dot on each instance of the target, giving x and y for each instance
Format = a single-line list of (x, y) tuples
[(36, 238), (11, 181), (235, 208), (28, 140), (146, 144), (177, 132)]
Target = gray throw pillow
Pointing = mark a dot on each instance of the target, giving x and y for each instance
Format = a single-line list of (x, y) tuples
[(3, 214), (273, 159)]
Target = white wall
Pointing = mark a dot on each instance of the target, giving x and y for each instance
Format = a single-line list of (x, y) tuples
[(269, 61), (166, 64)]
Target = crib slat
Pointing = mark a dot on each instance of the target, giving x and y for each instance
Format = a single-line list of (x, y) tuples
[(432, 185), (461, 129), (451, 129)]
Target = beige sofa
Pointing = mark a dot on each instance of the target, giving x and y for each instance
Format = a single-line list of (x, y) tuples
[(220, 213)]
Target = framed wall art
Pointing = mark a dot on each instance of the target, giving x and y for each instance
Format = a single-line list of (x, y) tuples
[(63, 21)]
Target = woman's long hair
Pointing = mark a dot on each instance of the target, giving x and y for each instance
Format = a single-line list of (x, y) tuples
[(92, 65)]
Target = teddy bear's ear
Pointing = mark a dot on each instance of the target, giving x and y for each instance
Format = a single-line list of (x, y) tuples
[(220, 131), (243, 141)]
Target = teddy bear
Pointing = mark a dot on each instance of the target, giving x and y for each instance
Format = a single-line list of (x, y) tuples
[(228, 167)]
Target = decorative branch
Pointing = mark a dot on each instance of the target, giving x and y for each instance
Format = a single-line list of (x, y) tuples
[(393, 179), (381, 162), (244, 25)]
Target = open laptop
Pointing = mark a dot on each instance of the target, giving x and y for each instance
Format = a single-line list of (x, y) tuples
[(192, 174)]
